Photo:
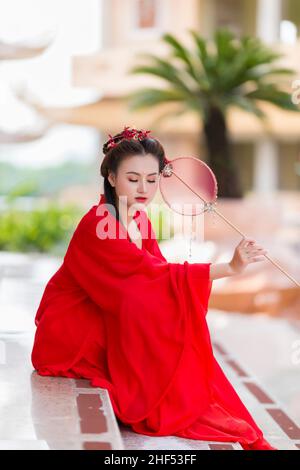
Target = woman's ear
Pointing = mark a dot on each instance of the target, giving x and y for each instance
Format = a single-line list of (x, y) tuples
[(111, 179)]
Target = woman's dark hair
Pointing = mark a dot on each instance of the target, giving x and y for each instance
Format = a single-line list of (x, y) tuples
[(124, 148)]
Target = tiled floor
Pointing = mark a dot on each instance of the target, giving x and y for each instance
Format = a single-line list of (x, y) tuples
[(256, 353), (136, 441)]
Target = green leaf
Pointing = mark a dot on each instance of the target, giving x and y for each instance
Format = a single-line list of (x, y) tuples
[(151, 97), (246, 104), (162, 69), (271, 94)]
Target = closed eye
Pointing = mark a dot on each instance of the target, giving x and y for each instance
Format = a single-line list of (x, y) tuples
[(135, 181)]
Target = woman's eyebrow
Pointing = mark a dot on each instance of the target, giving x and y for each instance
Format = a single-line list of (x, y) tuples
[(150, 174)]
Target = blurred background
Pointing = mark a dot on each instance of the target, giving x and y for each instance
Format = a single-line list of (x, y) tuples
[(215, 79), (67, 79)]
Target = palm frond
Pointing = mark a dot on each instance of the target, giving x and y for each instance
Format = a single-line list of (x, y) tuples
[(246, 104), (163, 69), (229, 71), (183, 54), (226, 48), (271, 94), (151, 97)]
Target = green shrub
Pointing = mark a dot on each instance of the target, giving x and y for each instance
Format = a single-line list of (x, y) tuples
[(41, 230)]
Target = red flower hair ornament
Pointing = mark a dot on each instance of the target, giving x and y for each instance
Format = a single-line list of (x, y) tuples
[(128, 133)]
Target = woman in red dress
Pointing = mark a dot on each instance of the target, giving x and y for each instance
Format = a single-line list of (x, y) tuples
[(117, 313)]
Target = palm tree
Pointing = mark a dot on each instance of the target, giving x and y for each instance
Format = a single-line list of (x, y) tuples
[(211, 78)]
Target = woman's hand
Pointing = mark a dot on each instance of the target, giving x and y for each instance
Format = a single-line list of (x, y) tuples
[(246, 252)]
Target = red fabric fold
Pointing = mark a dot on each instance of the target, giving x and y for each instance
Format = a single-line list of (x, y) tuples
[(136, 325)]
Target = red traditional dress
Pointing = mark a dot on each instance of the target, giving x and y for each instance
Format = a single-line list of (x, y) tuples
[(135, 324)]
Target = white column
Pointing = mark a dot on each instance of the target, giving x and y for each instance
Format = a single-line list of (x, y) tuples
[(269, 15), (266, 166), (106, 15)]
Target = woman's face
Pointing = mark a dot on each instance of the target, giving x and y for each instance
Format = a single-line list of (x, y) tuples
[(137, 177)]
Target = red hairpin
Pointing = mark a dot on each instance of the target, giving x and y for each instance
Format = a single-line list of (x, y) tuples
[(128, 133)]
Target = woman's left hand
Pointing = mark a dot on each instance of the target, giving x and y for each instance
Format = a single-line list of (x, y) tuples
[(246, 252)]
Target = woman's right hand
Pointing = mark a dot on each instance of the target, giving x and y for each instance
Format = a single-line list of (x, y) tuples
[(246, 252)]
